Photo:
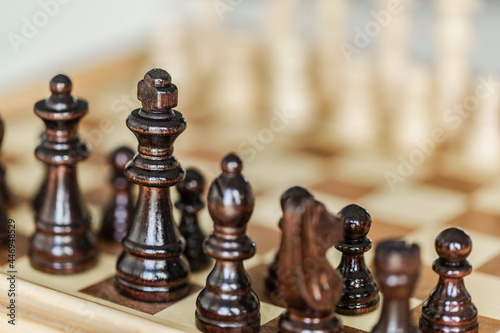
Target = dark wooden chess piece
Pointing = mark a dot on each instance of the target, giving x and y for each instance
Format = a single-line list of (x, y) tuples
[(4, 190), (307, 281), (4, 225), (37, 198), (120, 210), (4, 195), (272, 273), (449, 307), (190, 203), (360, 293), (63, 242), (228, 303), (152, 267), (397, 267)]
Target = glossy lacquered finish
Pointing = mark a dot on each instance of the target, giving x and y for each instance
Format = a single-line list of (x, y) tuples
[(120, 210), (5, 197), (63, 242), (272, 281), (4, 190), (309, 284), (397, 267), (361, 294), (228, 303), (190, 203), (152, 267), (449, 307)]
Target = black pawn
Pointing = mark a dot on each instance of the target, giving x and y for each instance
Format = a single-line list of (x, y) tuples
[(449, 307), (228, 303), (360, 293), (119, 212), (190, 202), (397, 267)]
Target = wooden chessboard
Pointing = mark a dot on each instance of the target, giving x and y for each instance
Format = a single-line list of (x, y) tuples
[(436, 195)]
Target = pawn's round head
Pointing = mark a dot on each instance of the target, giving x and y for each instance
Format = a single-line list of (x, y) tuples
[(357, 221), (231, 165), (453, 245), (194, 183), (120, 157), (61, 85)]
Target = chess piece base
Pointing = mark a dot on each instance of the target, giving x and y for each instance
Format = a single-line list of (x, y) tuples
[(427, 327), (359, 308), (84, 252), (130, 283), (150, 294), (62, 267), (205, 325), (300, 322)]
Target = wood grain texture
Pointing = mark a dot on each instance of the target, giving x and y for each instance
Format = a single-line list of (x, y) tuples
[(228, 303), (152, 267), (63, 242), (449, 307), (48, 310), (107, 290), (397, 266), (361, 293), (190, 203), (309, 284), (119, 211)]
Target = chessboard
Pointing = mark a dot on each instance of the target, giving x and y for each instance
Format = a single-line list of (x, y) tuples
[(436, 195)]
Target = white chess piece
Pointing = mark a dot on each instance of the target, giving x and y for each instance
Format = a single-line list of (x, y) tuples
[(412, 120), (235, 89), (482, 144), (332, 17), (454, 34), (392, 60), (289, 66), (332, 27), (171, 48), (355, 125)]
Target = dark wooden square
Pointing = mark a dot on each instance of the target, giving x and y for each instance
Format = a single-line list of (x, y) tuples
[(341, 189), (477, 221), (106, 290), (453, 183)]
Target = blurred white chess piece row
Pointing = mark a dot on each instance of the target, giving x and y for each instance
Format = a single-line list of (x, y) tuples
[(378, 96)]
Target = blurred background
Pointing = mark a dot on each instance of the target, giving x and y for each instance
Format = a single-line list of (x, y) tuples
[(390, 104), (392, 75)]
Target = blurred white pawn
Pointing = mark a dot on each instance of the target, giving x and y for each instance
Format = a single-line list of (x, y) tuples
[(291, 85), (412, 122), (392, 58), (332, 26), (289, 67), (208, 32), (482, 145), (235, 90), (171, 50), (454, 34), (355, 125)]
